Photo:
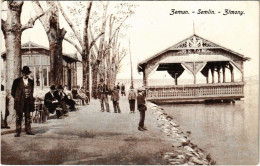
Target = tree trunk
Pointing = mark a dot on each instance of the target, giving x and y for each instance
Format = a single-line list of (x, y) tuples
[(55, 37), (56, 63), (94, 80), (12, 36), (85, 68)]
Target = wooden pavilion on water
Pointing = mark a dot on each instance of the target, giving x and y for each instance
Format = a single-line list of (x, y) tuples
[(195, 54)]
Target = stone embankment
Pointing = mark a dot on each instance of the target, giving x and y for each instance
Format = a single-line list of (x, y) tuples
[(183, 150)]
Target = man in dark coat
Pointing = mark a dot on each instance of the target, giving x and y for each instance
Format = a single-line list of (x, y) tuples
[(22, 92), (131, 99), (142, 108), (103, 95), (51, 102), (62, 98), (123, 89), (115, 99)]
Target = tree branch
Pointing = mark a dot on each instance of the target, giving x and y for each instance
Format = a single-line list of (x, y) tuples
[(31, 22), (94, 41), (70, 24), (74, 45), (38, 9), (3, 26), (118, 29), (92, 38)]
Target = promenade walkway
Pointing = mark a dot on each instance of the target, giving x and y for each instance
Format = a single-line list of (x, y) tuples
[(89, 136)]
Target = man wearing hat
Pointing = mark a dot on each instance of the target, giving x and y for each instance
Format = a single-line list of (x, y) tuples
[(115, 99), (103, 92), (142, 108), (62, 98), (131, 99), (22, 92), (51, 102)]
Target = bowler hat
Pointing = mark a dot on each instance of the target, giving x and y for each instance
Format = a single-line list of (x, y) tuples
[(60, 87), (26, 70), (101, 80), (52, 87)]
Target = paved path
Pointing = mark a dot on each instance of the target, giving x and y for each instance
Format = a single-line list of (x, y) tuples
[(89, 136)]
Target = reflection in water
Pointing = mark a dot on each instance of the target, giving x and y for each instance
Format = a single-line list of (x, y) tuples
[(229, 132)]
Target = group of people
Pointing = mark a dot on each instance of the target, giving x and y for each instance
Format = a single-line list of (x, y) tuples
[(59, 99), (104, 91), (122, 88)]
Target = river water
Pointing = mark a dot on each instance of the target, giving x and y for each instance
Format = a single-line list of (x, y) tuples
[(229, 132)]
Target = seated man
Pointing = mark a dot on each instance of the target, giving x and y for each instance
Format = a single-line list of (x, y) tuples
[(63, 99), (83, 95), (51, 103)]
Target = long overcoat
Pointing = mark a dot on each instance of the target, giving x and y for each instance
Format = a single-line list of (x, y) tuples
[(18, 94)]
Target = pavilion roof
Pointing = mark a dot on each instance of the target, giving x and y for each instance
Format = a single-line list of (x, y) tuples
[(33, 46), (195, 42)]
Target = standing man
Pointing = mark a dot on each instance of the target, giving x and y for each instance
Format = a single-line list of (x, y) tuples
[(118, 87), (142, 108), (115, 100), (22, 92), (131, 99), (123, 89), (103, 92)]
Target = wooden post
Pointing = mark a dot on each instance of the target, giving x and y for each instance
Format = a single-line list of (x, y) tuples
[(132, 82), (34, 76), (194, 75), (224, 73), (218, 70), (176, 79), (212, 73), (145, 78), (48, 76), (232, 72), (242, 70)]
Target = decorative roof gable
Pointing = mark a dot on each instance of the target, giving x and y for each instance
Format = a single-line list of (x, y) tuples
[(194, 42)]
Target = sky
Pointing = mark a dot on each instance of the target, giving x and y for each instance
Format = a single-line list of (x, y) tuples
[(153, 29)]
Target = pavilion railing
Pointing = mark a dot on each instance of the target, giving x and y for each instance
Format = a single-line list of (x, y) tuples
[(199, 90)]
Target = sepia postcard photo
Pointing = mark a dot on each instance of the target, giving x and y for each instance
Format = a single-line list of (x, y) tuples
[(129, 82)]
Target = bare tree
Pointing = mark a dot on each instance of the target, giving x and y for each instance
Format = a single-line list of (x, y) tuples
[(12, 30), (106, 61), (84, 41)]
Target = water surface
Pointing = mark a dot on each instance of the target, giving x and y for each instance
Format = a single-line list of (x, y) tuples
[(229, 132)]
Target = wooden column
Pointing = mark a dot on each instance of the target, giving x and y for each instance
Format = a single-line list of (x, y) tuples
[(232, 72), (212, 73), (145, 83), (34, 75), (194, 75), (242, 70), (224, 73), (218, 71), (176, 79), (48, 84)]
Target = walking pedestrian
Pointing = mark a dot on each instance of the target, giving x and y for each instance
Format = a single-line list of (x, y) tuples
[(118, 87), (22, 92), (115, 99), (123, 89), (142, 108), (131, 99), (103, 95)]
